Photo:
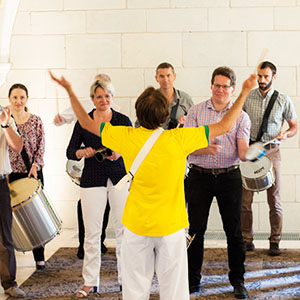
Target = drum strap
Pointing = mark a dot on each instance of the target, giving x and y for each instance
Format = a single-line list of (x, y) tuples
[(264, 125), (26, 159), (139, 158), (173, 121)]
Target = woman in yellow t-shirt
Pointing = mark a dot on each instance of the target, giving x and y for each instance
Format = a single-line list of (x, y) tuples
[(155, 214)]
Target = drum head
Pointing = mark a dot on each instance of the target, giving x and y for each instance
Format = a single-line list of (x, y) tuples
[(74, 169), (254, 150), (256, 169), (22, 190)]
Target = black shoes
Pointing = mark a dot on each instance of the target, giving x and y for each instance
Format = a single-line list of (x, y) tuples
[(249, 246), (80, 252), (274, 249), (239, 290), (103, 248), (40, 265), (195, 289)]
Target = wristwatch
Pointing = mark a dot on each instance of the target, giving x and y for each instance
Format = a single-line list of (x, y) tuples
[(5, 126)]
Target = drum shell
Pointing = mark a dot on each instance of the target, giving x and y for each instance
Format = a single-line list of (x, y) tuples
[(35, 222), (259, 183)]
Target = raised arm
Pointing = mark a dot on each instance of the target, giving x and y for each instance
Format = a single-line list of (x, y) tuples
[(9, 129), (83, 118), (233, 113)]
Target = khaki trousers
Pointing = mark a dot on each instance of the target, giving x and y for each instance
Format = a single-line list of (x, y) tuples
[(274, 201)]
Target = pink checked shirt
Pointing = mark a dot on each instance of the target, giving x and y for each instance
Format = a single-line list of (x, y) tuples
[(205, 114)]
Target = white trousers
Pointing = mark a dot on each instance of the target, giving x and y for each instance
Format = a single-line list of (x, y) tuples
[(93, 201), (141, 256)]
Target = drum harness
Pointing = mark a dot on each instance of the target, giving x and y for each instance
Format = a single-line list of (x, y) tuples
[(264, 125)]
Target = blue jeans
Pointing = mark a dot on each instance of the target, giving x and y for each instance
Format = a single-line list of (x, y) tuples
[(200, 190)]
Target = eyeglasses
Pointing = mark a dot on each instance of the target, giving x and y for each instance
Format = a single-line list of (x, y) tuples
[(224, 87)]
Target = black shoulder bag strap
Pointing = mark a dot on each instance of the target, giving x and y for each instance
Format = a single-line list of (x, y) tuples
[(173, 120), (264, 125)]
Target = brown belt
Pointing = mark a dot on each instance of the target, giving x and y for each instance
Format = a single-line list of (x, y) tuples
[(213, 171)]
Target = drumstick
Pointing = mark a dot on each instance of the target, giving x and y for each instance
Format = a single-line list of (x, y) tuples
[(262, 57), (269, 142)]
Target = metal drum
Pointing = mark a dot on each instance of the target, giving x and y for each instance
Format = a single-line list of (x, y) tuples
[(258, 175), (35, 222), (74, 170)]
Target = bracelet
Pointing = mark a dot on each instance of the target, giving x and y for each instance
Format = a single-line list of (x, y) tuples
[(5, 126)]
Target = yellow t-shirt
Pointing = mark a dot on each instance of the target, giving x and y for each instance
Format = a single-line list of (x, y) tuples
[(156, 204)]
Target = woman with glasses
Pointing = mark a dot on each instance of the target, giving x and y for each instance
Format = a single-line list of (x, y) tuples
[(97, 184)]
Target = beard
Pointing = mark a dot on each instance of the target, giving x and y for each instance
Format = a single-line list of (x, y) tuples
[(265, 87)]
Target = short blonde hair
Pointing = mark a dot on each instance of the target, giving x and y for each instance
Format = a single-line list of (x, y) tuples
[(103, 84)]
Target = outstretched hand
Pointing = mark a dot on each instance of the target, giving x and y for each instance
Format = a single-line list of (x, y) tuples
[(250, 83), (62, 81)]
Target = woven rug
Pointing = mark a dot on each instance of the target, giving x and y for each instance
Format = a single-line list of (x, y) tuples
[(266, 277)]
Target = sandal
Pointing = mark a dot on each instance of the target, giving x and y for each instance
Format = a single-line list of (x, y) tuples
[(83, 293)]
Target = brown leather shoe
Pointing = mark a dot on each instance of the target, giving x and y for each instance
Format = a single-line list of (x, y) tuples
[(15, 292), (274, 249)]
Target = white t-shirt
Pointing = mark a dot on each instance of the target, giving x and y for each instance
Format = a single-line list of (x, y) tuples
[(5, 167)]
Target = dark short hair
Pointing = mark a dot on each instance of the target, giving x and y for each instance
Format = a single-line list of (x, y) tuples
[(18, 86), (152, 108), (267, 64), (165, 65), (224, 71)]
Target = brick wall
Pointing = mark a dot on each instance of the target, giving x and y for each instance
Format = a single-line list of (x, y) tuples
[(127, 40)]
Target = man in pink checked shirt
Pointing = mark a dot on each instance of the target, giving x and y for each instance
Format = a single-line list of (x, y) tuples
[(214, 172)]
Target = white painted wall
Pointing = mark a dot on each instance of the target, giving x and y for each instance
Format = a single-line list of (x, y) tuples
[(8, 10), (127, 39)]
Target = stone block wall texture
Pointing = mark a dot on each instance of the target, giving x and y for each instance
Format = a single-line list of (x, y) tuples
[(127, 39)]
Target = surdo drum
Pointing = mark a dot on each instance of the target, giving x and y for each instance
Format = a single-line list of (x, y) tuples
[(257, 175), (35, 222)]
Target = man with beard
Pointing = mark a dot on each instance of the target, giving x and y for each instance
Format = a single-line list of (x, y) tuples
[(283, 109)]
